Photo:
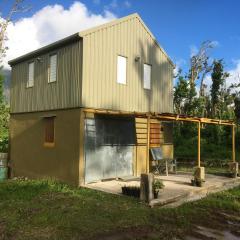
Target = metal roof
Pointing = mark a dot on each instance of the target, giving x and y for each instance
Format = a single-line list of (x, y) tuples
[(46, 48), (81, 34)]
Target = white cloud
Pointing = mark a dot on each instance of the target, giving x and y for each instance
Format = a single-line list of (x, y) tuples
[(193, 50), (215, 43), (127, 4), (179, 64), (234, 73), (97, 2), (208, 82), (113, 4), (234, 76), (49, 24)]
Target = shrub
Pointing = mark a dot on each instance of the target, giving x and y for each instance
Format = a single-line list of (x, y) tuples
[(132, 191), (4, 143)]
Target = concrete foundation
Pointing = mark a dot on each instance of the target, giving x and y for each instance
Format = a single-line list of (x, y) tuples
[(178, 188), (146, 190)]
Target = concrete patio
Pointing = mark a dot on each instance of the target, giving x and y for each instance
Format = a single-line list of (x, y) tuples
[(177, 188)]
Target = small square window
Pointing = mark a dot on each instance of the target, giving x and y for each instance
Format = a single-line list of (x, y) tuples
[(121, 70), (49, 138), (147, 69), (52, 74), (30, 81)]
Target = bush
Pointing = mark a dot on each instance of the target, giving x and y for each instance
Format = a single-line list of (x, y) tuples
[(158, 184), (132, 191)]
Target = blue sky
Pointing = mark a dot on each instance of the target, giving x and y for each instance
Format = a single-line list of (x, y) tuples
[(179, 25)]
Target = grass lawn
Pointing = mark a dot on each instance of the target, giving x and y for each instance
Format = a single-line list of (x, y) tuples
[(49, 210)]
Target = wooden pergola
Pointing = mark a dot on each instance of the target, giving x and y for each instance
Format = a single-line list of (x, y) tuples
[(174, 117), (199, 121)]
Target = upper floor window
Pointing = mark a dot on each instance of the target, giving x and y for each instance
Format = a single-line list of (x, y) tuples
[(147, 69), (30, 81), (121, 70), (52, 75)]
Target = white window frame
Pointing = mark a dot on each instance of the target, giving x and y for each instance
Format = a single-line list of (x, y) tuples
[(121, 70), (50, 68), (30, 80), (147, 76)]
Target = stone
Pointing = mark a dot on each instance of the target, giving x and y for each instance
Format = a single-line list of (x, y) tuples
[(146, 184)]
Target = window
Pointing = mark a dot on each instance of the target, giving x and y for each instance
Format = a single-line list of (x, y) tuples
[(52, 75), (49, 139), (147, 76), (121, 70), (30, 81)]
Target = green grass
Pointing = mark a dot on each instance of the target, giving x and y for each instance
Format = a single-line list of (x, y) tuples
[(50, 210)]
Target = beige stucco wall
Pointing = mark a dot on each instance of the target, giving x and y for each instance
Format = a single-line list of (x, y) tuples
[(128, 38), (31, 159)]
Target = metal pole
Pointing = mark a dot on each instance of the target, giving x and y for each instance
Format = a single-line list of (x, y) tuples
[(233, 144), (199, 144)]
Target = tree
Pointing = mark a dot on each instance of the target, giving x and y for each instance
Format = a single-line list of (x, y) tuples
[(217, 89), (180, 95), (4, 109), (18, 6), (1, 89), (237, 108), (200, 66)]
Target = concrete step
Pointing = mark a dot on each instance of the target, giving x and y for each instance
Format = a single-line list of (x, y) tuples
[(195, 194)]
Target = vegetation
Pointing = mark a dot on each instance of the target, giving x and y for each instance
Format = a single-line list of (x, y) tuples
[(4, 119), (50, 210), (132, 191), (219, 100), (16, 7)]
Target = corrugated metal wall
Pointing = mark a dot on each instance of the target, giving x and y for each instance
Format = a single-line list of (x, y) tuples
[(65, 93), (100, 88)]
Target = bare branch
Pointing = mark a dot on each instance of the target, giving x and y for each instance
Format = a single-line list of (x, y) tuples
[(16, 8)]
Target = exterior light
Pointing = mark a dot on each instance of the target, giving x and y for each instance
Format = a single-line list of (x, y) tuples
[(137, 58)]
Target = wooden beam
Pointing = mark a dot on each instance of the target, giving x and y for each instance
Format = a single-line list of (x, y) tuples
[(233, 144), (81, 148), (199, 144), (161, 116), (148, 141)]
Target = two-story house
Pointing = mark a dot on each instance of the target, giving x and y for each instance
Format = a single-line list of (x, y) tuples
[(80, 106)]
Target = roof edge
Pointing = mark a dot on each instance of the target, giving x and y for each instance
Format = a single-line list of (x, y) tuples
[(108, 24), (48, 47), (155, 40), (81, 34), (120, 20)]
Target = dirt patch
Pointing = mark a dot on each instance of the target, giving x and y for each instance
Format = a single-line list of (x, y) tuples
[(223, 226), (140, 232)]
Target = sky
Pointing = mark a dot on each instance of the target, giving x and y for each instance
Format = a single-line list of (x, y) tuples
[(180, 26)]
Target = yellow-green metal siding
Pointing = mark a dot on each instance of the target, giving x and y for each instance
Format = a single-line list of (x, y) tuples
[(64, 93), (128, 38)]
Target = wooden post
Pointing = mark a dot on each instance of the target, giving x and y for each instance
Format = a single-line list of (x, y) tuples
[(233, 144), (81, 148), (146, 190), (148, 141), (199, 144)]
